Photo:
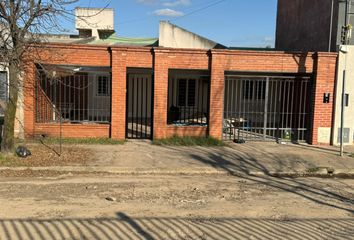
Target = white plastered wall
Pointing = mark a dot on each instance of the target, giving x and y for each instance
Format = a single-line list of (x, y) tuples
[(19, 121), (346, 61)]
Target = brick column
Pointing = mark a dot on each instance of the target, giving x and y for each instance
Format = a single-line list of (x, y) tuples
[(29, 103), (119, 82), (322, 113), (216, 95), (160, 93)]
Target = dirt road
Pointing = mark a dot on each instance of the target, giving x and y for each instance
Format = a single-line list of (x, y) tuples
[(176, 207)]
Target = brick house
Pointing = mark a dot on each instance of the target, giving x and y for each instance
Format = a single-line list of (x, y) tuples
[(156, 92), (97, 84)]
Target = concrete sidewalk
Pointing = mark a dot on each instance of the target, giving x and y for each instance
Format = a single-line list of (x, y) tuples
[(257, 158), (252, 156)]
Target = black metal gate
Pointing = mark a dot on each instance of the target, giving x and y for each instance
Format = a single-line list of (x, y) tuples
[(266, 108), (139, 106)]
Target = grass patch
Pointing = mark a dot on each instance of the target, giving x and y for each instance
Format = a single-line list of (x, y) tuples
[(313, 170), (190, 141), (83, 141), (9, 161)]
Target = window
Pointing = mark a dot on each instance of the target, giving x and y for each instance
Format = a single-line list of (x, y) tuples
[(186, 92), (102, 86), (3, 86), (188, 99)]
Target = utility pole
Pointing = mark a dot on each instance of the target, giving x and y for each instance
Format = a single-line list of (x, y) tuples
[(331, 27)]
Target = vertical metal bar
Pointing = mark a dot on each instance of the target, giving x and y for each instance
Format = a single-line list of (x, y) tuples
[(187, 101), (292, 107), (242, 88), (275, 111), (74, 96), (127, 105), (342, 115), (230, 88), (146, 107), (37, 98), (226, 108), (299, 132), (208, 102), (266, 108), (141, 105), (152, 100), (306, 108), (281, 107), (331, 26), (288, 105), (201, 97), (231, 96), (133, 105), (256, 110), (184, 109), (270, 108), (60, 99), (242, 124), (136, 94), (132, 99)]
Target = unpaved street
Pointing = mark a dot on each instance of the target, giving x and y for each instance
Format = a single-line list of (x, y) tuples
[(176, 207)]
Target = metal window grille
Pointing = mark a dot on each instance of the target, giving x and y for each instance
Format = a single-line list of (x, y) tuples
[(102, 86), (188, 100), (266, 108), (71, 99), (3, 86)]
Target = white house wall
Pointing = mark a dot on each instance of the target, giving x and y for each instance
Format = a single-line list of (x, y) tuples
[(346, 61), (98, 106)]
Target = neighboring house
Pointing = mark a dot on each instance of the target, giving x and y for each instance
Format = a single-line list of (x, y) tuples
[(316, 25), (311, 25), (3, 87)]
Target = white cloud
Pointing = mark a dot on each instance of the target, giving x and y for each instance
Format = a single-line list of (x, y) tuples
[(177, 3), (168, 13), (147, 1)]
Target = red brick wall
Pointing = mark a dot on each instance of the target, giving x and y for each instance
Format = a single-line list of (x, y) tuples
[(123, 58), (190, 131), (166, 59), (73, 130), (324, 82)]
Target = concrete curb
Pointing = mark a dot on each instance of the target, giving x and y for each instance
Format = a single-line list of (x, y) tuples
[(323, 172)]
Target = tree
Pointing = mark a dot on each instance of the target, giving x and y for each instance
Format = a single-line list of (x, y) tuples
[(23, 25)]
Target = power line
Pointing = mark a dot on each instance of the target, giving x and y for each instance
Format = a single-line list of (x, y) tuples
[(198, 10), (213, 3)]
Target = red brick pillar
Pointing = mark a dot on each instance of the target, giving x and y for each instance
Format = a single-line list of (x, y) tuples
[(29, 99), (119, 82), (324, 82), (216, 95), (160, 93)]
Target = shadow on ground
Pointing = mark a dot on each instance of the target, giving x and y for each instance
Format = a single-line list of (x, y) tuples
[(241, 161), (126, 227)]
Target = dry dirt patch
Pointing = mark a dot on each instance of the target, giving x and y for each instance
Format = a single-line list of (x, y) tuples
[(45, 156)]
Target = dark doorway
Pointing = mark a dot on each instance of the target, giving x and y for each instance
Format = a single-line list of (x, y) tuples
[(139, 106)]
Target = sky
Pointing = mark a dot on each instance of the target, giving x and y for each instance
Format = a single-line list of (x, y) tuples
[(236, 23)]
